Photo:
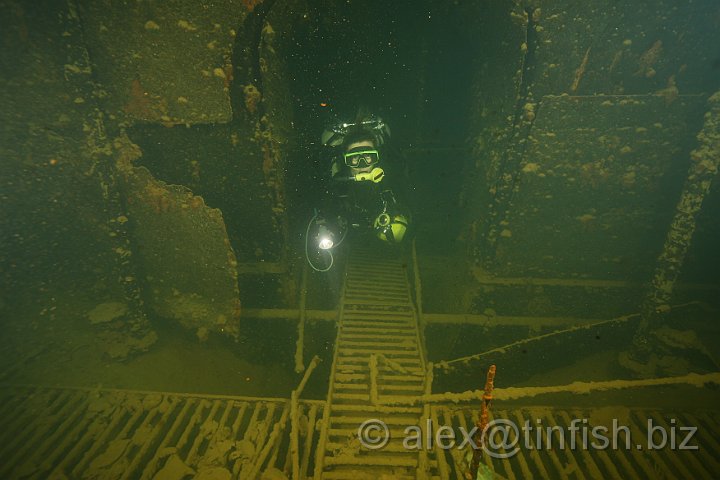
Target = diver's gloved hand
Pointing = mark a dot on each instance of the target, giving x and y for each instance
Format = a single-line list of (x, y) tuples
[(375, 175)]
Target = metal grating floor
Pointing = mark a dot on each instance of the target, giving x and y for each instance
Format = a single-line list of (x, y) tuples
[(62, 433), (109, 434), (636, 462)]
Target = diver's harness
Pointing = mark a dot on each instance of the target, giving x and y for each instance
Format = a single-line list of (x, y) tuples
[(325, 237), (333, 136), (383, 222)]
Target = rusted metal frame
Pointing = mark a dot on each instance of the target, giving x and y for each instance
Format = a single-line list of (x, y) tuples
[(322, 439), (508, 472), (164, 410), (373, 365), (445, 418), (251, 425), (550, 450), (151, 467), (270, 444), (705, 433), (127, 427), (483, 421), (121, 415), (299, 363), (641, 457), (592, 468), (460, 458), (681, 458), (576, 388), (280, 426), (37, 435), (419, 312), (60, 441), (196, 396), (242, 408), (310, 436), (130, 425), (221, 425), (194, 420), (704, 166), (423, 470), (609, 464), (287, 463), (10, 404), (267, 421), (619, 456), (294, 450), (253, 421), (81, 441), (190, 458), (533, 454), (440, 458), (294, 414), (417, 281), (478, 356), (229, 406), (17, 429), (506, 464)]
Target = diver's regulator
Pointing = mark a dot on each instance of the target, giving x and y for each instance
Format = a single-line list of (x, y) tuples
[(375, 175)]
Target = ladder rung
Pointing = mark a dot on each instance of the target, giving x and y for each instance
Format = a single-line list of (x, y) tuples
[(375, 410), (378, 314), (390, 420), (379, 303), (363, 355), (352, 474), (418, 388), (361, 331), (390, 447), (383, 377), (351, 364), (379, 322), (374, 344), (408, 460)]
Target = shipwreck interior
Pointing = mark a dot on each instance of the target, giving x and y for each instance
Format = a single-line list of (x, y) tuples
[(159, 164)]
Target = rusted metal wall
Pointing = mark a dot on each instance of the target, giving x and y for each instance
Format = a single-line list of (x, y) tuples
[(64, 220), (190, 270), (582, 165), (500, 72), (164, 62), (595, 187), (170, 65), (78, 78), (202, 89), (203, 92)]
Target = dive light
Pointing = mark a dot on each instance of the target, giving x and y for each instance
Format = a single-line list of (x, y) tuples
[(325, 238)]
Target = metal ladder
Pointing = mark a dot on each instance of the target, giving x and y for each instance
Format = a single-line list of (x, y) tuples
[(378, 357)]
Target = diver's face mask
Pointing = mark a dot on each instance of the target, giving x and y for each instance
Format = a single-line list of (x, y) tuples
[(362, 157)]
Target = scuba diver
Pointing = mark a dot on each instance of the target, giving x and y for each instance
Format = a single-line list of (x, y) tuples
[(357, 194)]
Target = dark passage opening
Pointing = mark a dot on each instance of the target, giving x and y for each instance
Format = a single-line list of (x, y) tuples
[(410, 63)]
